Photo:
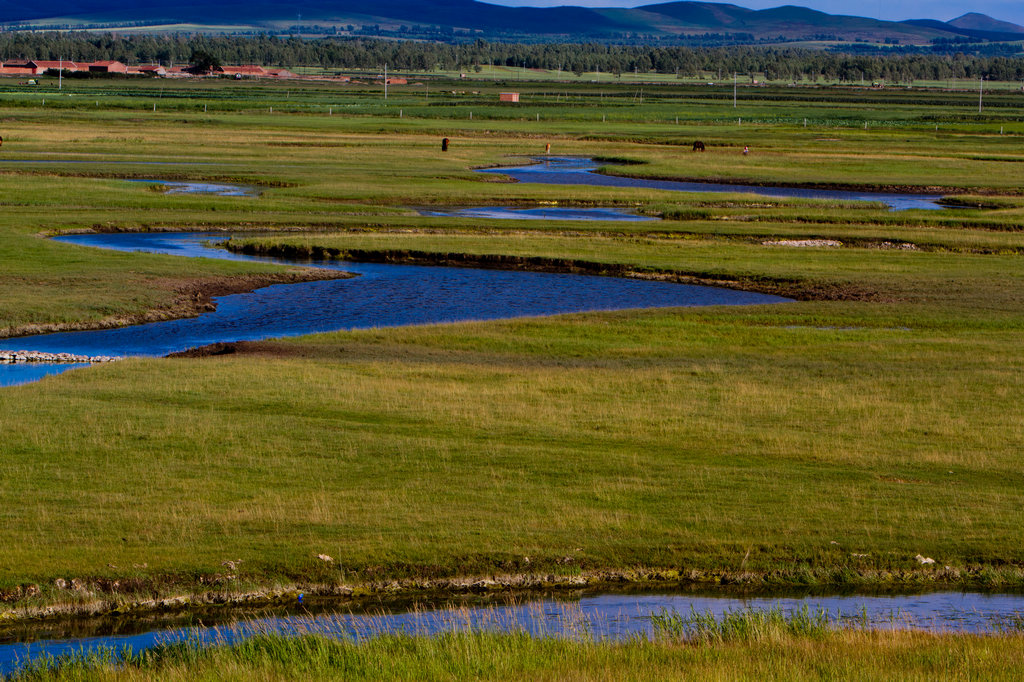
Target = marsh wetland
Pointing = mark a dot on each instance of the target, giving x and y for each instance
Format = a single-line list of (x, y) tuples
[(868, 419)]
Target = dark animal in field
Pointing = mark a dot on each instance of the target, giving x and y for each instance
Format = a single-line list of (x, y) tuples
[(444, 144), (698, 146)]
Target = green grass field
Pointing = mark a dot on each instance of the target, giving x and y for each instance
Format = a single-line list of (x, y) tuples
[(826, 441)]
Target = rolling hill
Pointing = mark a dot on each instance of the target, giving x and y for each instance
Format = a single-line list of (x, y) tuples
[(469, 16), (981, 22)]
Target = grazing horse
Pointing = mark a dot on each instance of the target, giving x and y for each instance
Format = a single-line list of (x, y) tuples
[(698, 146)]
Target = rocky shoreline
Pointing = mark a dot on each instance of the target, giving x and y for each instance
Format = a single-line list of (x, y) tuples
[(15, 356)]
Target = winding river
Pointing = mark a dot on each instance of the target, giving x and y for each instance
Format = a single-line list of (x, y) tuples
[(380, 296), (580, 171), (538, 213)]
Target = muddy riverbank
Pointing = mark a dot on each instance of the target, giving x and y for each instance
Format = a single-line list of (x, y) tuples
[(143, 597)]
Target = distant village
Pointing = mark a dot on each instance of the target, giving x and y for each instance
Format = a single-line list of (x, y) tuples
[(38, 67)]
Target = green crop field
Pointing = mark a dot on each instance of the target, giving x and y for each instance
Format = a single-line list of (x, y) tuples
[(826, 441)]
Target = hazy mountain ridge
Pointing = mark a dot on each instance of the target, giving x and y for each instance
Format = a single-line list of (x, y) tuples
[(663, 19), (983, 22)]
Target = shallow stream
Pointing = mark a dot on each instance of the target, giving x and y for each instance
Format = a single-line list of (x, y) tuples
[(580, 171), (537, 213), (381, 296), (221, 189), (612, 616)]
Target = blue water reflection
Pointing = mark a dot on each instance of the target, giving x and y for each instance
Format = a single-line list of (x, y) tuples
[(579, 171), (13, 374), (381, 296), (600, 616), (538, 213)]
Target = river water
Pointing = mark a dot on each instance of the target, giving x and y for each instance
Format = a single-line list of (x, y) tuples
[(580, 171), (380, 296), (613, 616), (221, 189), (537, 213)]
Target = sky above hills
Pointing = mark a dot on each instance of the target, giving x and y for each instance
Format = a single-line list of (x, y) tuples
[(892, 10)]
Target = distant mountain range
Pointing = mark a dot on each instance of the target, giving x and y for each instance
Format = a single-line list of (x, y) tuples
[(673, 19)]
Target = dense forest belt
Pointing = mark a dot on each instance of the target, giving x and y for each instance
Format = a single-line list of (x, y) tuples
[(790, 288), (775, 63), (191, 299)]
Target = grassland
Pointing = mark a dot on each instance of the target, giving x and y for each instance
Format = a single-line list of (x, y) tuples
[(826, 441)]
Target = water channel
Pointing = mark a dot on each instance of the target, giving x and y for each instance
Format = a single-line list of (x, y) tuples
[(537, 213), (580, 171), (613, 616), (380, 296), (220, 189)]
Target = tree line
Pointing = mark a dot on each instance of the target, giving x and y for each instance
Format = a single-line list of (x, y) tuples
[(775, 63)]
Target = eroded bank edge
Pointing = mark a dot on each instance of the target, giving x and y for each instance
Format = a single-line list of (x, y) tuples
[(98, 597), (804, 290)]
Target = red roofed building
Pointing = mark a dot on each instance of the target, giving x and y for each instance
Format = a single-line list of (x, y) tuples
[(108, 67), (16, 69), (40, 66)]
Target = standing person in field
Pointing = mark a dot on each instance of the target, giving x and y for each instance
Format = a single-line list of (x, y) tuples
[(746, 150)]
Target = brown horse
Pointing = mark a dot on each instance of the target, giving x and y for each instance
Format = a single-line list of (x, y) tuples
[(698, 146)]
